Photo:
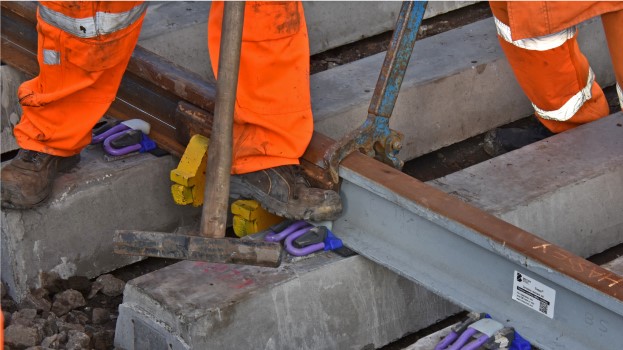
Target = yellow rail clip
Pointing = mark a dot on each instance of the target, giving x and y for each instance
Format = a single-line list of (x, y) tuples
[(189, 176), (249, 217), (189, 184)]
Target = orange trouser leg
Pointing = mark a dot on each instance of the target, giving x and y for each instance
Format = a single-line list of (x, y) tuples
[(613, 27), (552, 77), (61, 105), (273, 121)]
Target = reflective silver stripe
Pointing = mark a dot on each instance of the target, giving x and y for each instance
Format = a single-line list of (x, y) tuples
[(571, 107), (51, 57), (541, 43), (620, 93), (101, 23)]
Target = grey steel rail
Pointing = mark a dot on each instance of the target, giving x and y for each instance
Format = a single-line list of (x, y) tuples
[(472, 258)]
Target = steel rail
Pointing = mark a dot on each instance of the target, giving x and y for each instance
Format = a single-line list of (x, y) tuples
[(432, 238), (472, 258)]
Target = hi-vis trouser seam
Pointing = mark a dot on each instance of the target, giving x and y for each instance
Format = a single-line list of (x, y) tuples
[(99, 24), (544, 43)]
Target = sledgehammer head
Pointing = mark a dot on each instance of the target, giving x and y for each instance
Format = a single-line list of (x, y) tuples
[(185, 247)]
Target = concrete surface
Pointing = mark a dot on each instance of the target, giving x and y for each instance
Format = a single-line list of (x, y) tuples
[(458, 85), (615, 266), (72, 233), (321, 302), (430, 341), (567, 189), (335, 23), (181, 26)]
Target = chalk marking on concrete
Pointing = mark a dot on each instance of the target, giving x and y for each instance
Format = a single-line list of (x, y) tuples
[(66, 268)]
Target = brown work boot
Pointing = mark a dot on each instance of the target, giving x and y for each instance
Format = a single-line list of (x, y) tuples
[(27, 179), (285, 192)]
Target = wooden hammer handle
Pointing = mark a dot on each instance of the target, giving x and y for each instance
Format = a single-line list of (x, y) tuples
[(214, 214)]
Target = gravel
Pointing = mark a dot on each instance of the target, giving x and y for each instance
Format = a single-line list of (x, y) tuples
[(73, 313)]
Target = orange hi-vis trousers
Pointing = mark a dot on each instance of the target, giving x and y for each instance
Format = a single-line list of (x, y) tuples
[(84, 49), (273, 120), (539, 40)]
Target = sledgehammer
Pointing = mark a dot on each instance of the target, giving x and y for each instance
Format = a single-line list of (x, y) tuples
[(211, 245)]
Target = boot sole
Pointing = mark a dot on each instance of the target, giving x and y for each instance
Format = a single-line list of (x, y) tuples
[(239, 189)]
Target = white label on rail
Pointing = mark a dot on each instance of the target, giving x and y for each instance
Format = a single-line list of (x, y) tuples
[(534, 294)]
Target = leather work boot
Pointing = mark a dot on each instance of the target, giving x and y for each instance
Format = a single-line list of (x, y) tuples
[(284, 191), (499, 141), (27, 179)]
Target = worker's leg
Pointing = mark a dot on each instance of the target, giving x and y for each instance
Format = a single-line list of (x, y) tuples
[(79, 73), (273, 121), (613, 27), (83, 50), (554, 74)]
